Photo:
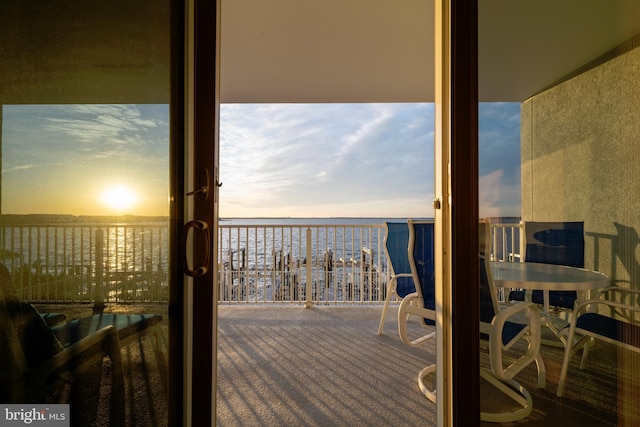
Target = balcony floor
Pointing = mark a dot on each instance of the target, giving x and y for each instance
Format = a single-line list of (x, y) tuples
[(287, 366), (282, 365)]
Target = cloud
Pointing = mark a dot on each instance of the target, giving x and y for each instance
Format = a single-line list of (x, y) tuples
[(18, 168), (499, 159), (301, 156), (75, 132), (499, 138), (62, 151), (275, 159), (375, 159)]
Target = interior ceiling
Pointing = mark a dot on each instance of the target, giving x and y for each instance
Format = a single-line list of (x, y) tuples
[(383, 51), (63, 51)]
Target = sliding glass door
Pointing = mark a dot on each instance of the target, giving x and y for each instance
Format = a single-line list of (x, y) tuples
[(558, 106), (89, 217)]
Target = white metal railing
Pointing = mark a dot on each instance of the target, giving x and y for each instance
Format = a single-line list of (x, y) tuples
[(307, 263), (506, 245), (128, 263), (506, 242), (87, 262)]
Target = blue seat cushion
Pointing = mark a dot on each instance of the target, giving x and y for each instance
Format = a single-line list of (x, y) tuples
[(517, 295), (563, 299), (429, 322), (127, 325), (53, 318), (404, 286), (509, 332), (611, 328)]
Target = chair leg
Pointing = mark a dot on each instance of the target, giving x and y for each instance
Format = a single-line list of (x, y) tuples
[(569, 351), (385, 308), (117, 403), (585, 352), (513, 390), (542, 372), (430, 394)]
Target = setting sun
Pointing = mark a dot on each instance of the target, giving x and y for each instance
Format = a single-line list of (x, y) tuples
[(119, 198)]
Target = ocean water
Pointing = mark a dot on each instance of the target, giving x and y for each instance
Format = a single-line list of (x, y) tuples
[(255, 242), (309, 221), (267, 259)]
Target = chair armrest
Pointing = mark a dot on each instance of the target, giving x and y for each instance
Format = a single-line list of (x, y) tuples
[(407, 307), (590, 323), (77, 357), (512, 310), (497, 345), (619, 289), (601, 300)]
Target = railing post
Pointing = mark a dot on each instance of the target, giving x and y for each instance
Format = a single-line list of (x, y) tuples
[(98, 295), (309, 301)]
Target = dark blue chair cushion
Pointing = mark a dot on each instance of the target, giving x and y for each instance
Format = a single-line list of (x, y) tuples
[(559, 243), (396, 243), (509, 332), (404, 286), (517, 295), (424, 259), (563, 299), (611, 328), (127, 325), (53, 318), (487, 312)]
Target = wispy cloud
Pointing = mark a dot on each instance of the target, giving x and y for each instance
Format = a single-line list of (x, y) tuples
[(18, 168), (72, 151), (275, 159), (311, 157), (369, 159), (499, 163)]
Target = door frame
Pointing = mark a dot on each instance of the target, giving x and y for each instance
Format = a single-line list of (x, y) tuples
[(202, 96), (456, 144), (456, 212)]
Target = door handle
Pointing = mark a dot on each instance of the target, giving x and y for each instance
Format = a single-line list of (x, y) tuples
[(200, 228), (203, 190)]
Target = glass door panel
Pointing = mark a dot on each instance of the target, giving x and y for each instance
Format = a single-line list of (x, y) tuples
[(558, 135), (84, 225)]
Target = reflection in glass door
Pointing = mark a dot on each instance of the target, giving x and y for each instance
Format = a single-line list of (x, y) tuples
[(85, 263), (561, 146)]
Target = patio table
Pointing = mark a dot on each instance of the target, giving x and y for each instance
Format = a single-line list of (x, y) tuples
[(547, 277)]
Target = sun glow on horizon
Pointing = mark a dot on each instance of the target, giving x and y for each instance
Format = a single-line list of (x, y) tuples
[(119, 198)]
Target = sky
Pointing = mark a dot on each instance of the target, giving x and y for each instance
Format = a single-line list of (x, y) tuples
[(276, 160), (84, 159), (364, 160)]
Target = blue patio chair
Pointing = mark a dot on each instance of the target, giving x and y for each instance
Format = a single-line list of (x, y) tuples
[(502, 335), (52, 319), (35, 363), (611, 317), (421, 302), (129, 327), (396, 242), (560, 243)]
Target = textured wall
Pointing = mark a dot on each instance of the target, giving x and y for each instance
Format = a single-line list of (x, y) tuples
[(581, 162)]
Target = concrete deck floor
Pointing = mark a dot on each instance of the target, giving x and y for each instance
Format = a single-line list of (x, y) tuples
[(326, 366)]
